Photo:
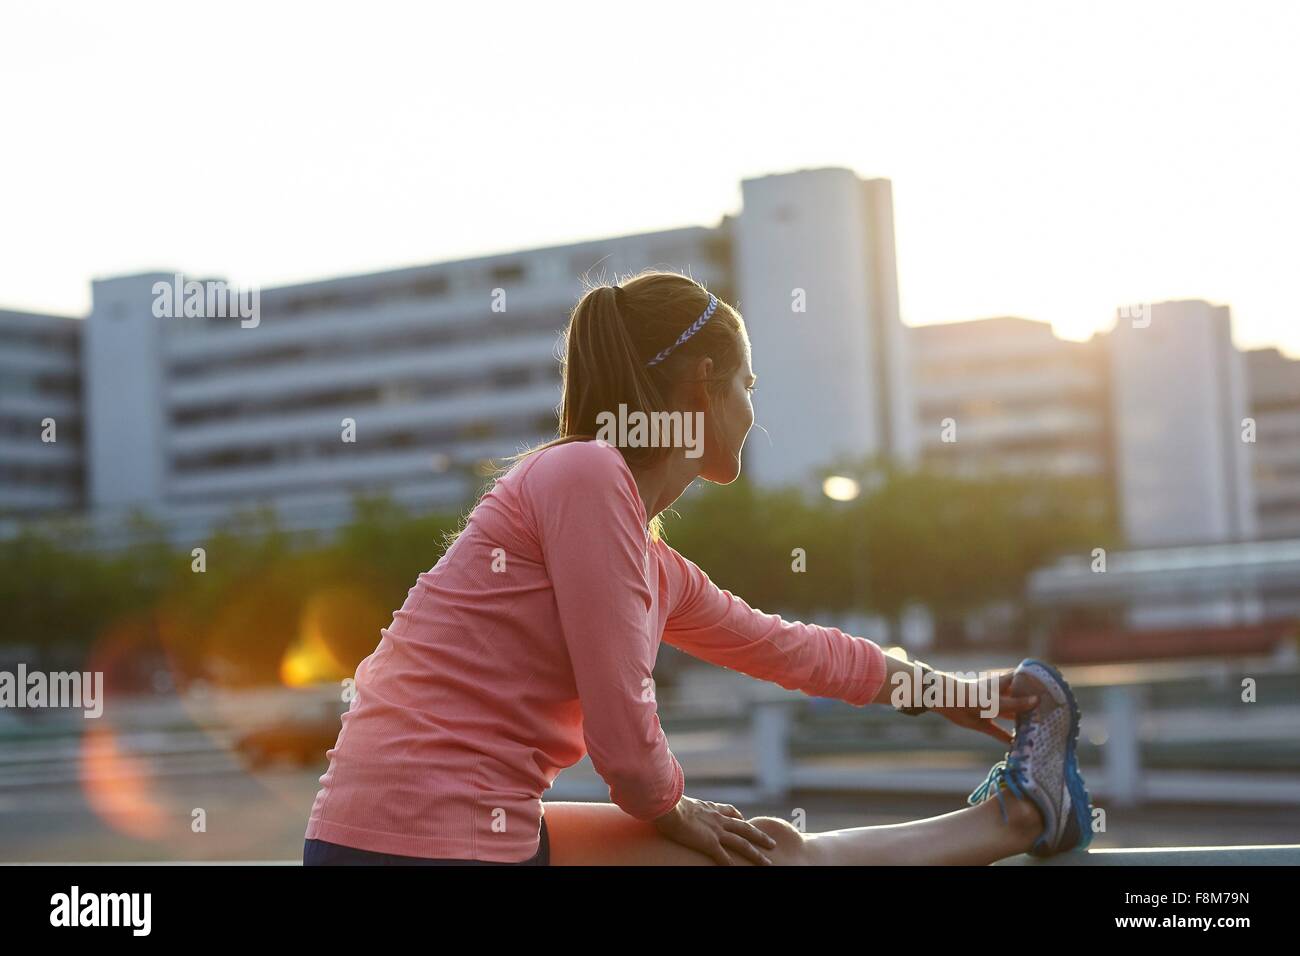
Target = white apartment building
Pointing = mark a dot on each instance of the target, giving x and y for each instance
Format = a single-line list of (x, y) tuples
[(402, 383)]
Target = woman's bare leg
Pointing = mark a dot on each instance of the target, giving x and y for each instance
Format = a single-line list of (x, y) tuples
[(600, 834)]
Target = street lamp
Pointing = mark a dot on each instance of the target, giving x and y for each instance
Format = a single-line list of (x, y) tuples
[(841, 488)]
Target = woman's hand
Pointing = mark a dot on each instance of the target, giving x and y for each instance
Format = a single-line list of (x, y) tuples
[(974, 716), (715, 829)]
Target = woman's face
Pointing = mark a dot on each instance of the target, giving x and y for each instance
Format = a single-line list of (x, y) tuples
[(730, 417)]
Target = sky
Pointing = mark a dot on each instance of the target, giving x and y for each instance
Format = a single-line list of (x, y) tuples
[(1049, 160)]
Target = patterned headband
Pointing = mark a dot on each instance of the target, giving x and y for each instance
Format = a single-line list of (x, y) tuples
[(691, 330)]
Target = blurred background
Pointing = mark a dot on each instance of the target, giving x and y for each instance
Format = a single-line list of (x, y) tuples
[(1020, 290)]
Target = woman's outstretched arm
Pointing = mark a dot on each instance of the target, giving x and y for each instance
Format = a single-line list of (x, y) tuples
[(719, 627)]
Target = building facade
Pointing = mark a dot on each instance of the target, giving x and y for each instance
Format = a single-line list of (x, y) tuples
[(42, 461), (816, 280), (1192, 441), (403, 383), (1005, 395), (1179, 398), (1275, 408)]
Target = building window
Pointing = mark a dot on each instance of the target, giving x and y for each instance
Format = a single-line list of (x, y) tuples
[(512, 272)]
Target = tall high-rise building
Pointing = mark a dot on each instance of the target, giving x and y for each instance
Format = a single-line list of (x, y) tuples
[(1178, 402), (816, 281)]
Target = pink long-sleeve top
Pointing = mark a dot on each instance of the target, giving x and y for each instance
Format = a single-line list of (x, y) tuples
[(531, 643)]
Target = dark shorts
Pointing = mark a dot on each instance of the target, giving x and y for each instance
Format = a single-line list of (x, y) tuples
[(321, 853)]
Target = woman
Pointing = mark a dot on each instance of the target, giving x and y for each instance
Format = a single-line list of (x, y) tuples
[(531, 643)]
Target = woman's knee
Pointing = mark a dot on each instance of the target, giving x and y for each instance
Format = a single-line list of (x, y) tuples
[(791, 846)]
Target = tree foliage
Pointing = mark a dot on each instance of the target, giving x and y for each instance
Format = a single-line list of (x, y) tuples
[(267, 596)]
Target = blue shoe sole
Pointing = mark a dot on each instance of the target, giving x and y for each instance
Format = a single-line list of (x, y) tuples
[(1080, 824)]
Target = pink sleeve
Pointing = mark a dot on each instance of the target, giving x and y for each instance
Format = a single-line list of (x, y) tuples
[(715, 625), (588, 517)]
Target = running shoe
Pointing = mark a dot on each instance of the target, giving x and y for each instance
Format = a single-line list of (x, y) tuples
[(1042, 765)]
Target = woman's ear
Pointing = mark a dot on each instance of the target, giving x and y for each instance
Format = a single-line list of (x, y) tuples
[(696, 390)]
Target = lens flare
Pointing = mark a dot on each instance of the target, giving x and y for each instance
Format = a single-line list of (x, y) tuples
[(338, 626), (119, 787)]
